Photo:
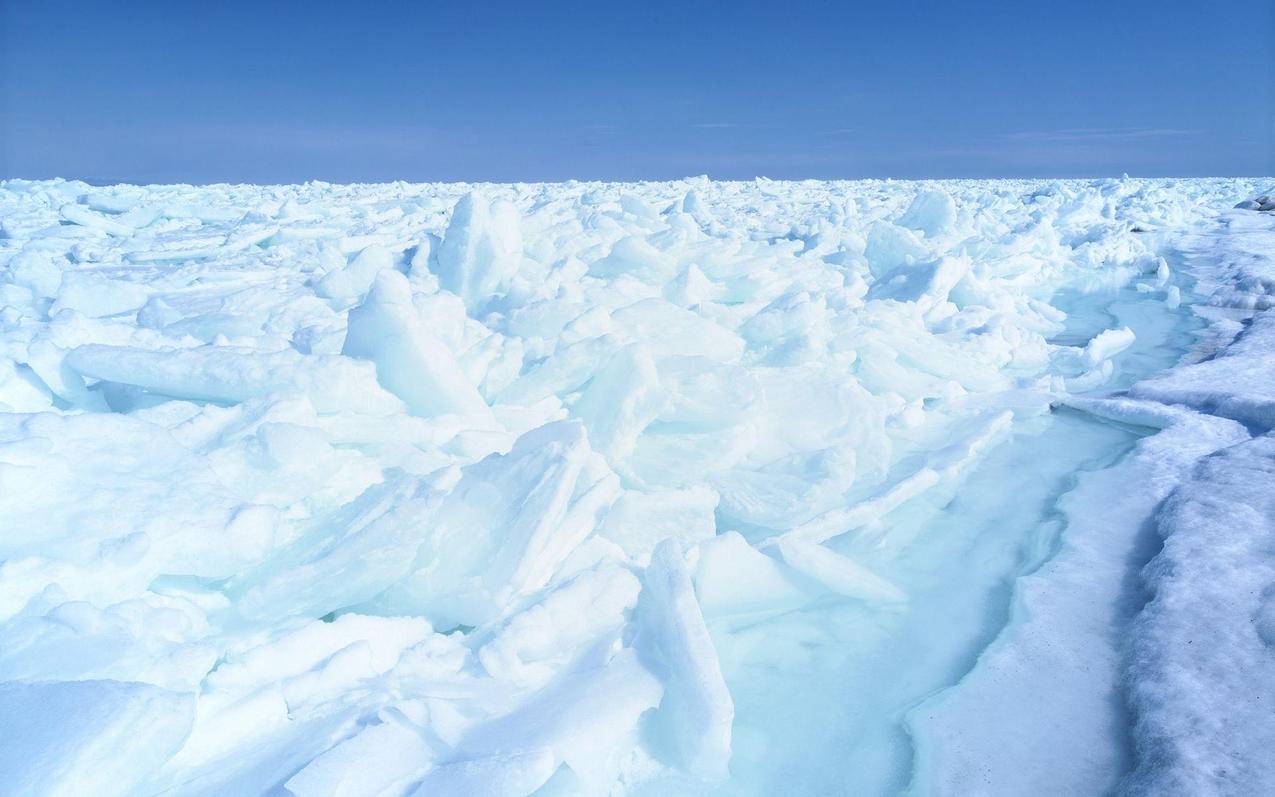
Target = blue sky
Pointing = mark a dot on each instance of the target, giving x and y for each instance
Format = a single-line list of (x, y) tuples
[(284, 92)]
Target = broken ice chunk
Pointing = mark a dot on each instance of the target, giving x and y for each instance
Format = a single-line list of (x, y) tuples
[(890, 246), (622, 398), (635, 257), (704, 394), (732, 577), (1107, 344), (669, 330), (583, 718), (380, 759), (506, 775), (306, 648), (76, 738), (345, 285), (230, 375), (788, 491), (410, 361), (85, 217), (586, 607), (639, 521), (98, 295), (507, 526), (838, 573), (345, 558), (697, 711), (481, 250), (928, 284), (932, 212)]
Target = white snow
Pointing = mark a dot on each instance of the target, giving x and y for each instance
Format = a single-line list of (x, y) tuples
[(661, 488)]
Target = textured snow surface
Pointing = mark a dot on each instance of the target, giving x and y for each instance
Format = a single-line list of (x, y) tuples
[(659, 488)]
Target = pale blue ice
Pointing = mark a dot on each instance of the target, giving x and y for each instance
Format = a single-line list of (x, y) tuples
[(687, 488)]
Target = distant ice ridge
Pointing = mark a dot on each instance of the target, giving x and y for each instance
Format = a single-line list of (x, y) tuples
[(513, 489)]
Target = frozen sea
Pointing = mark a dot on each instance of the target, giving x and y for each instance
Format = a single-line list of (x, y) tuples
[(681, 488)]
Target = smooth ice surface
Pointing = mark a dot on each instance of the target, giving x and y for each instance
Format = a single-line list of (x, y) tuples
[(656, 489)]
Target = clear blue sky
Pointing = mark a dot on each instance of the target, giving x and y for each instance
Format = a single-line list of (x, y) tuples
[(469, 90)]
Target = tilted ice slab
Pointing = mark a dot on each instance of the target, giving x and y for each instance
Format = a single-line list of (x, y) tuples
[(448, 489)]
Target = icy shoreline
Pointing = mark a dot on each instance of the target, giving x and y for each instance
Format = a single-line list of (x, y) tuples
[(1201, 665), (1195, 637), (560, 489)]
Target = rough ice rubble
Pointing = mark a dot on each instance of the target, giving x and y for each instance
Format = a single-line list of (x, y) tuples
[(454, 490)]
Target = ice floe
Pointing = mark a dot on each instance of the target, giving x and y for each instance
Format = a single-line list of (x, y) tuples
[(660, 488)]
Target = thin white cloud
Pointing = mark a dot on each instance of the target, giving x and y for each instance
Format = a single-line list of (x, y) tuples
[(1096, 134)]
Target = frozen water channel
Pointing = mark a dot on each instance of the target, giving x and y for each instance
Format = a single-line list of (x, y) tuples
[(835, 718), (689, 488)]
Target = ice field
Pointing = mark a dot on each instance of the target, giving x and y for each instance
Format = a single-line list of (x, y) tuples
[(691, 488)]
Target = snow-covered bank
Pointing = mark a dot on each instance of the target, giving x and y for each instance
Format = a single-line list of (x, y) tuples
[(1041, 712), (1176, 662), (1201, 670), (590, 488)]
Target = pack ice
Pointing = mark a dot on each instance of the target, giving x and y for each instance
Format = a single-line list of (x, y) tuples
[(675, 488)]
